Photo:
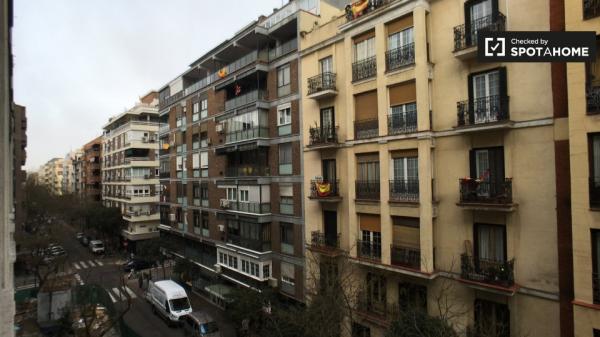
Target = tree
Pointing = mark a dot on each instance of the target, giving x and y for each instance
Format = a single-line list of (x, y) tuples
[(417, 323), (152, 250)]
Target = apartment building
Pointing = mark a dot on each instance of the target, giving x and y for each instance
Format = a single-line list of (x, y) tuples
[(130, 169), (51, 175), (19, 159), (91, 175), (584, 135), (7, 144), (435, 174), (71, 183), (231, 159)]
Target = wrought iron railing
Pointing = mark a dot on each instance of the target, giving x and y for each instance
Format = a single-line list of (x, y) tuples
[(367, 189), (322, 240), (465, 35), (366, 128), (483, 110), (404, 190), (364, 69), (591, 9), (322, 189), (322, 135), (593, 99), (368, 249), (405, 122), (488, 271), (323, 81), (594, 192), (485, 191), (406, 256), (400, 57)]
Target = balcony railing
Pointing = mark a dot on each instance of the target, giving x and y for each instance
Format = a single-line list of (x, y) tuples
[(465, 36), (483, 110), (399, 123), (324, 241), (485, 191), (249, 207), (256, 245), (591, 9), (367, 189), (324, 189), (487, 271), (369, 306), (594, 192), (354, 13), (247, 171), (366, 128), (368, 250), (406, 256), (593, 99), (404, 190), (364, 69), (596, 287), (321, 82), (283, 49), (400, 57), (322, 135), (244, 99), (256, 132)]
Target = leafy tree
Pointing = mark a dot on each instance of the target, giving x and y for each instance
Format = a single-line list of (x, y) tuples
[(417, 323), (152, 250)]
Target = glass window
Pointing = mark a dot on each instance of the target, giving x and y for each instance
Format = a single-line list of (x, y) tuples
[(400, 39), (490, 242), (232, 194), (364, 49), (283, 76), (285, 153), (244, 195), (284, 116), (287, 233)]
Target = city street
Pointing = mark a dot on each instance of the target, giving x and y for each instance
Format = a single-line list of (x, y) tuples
[(107, 272)]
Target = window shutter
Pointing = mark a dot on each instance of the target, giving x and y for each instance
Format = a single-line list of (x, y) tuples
[(365, 36), (370, 222), (503, 90), (403, 93), (287, 270), (400, 24), (473, 167), (470, 105), (203, 159), (468, 22), (196, 160), (365, 106)]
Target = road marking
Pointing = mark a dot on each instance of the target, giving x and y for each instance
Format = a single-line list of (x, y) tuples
[(76, 265), (78, 278), (91, 263), (112, 298), (83, 264), (99, 263), (130, 292), (116, 291)]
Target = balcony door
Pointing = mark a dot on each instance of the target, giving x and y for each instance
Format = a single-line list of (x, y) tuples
[(326, 65), (376, 291), (486, 93), (405, 175), (328, 123), (329, 171), (595, 233), (478, 16), (487, 167), (490, 243), (330, 228)]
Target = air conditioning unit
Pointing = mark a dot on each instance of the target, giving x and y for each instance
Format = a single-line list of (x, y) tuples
[(145, 139), (172, 217), (273, 282), (219, 128), (221, 228), (224, 203), (218, 269)]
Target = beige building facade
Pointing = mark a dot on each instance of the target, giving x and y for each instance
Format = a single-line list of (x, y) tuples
[(51, 175), (428, 168)]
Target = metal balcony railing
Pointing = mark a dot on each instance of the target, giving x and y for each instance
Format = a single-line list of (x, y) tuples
[(591, 9), (399, 123), (244, 99), (247, 171), (487, 271), (593, 99), (367, 189), (366, 128), (324, 189), (465, 36), (368, 250), (483, 110), (322, 240), (364, 69), (252, 133), (283, 49), (485, 191), (404, 190), (321, 82), (400, 57), (322, 135), (406, 256), (594, 192), (371, 6), (249, 207)]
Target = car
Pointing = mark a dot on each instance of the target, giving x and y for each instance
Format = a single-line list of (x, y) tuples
[(79, 236), (96, 246), (86, 240), (137, 264), (200, 324)]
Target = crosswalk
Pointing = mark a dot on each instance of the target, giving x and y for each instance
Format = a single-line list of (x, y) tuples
[(79, 280), (79, 265), (119, 294)]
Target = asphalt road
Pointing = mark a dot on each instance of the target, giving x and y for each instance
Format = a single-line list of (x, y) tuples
[(107, 272)]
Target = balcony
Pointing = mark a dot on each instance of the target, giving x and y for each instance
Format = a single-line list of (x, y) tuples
[(368, 250), (404, 190), (364, 69), (357, 10), (325, 190), (593, 98), (252, 244), (367, 190), (591, 9), (465, 37), (248, 134), (486, 194), (245, 99), (322, 86), (283, 49), (323, 136), (366, 128), (246, 207), (497, 273), (406, 257), (485, 112), (594, 193), (325, 243), (141, 216), (400, 57), (401, 123), (247, 171)]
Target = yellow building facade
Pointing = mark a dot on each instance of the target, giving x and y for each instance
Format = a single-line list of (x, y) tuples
[(431, 173)]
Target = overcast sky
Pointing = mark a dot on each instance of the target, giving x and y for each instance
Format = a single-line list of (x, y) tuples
[(79, 62)]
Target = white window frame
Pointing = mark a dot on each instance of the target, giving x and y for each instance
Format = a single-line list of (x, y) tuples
[(285, 111)]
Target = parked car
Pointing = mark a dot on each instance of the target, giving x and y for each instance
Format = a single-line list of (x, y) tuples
[(97, 247), (79, 236), (137, 264), (169, 300), (200, 324)]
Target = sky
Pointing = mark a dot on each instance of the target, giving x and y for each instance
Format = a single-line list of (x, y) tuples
[(79, 62)]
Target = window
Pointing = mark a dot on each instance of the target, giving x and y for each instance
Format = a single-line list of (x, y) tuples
[(403, 118), (195, 112), (286, 195), (594, 164), (412, 296), (371, 244), (244, 196), (368, 167), (284, 119), (400, 39), (326, 65), (364, 49), (266, 271), (491, 319), (283, 80), (232, 194), (405, 168), (287, 273), (204, 224), (490, 242), (287, 237), (487, 166), (204, 108), (285, 158), (595, 233), (376, 288), (359, 330), (196, 222)]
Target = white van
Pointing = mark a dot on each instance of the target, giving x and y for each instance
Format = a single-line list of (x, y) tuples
[(97, 246), (169, 300)]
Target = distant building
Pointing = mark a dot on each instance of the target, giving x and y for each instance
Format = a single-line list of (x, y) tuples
[(51, 175), (91, 174)]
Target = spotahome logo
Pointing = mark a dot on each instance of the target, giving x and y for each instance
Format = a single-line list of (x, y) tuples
[(536, 46)]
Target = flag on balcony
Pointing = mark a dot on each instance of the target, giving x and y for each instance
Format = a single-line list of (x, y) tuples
[(323, 189), (238, 89), (222, 72)]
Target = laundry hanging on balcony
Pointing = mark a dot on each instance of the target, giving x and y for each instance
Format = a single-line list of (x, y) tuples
[(323, 189)]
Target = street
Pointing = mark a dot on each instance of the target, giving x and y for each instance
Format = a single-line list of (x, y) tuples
[(107, 272)]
